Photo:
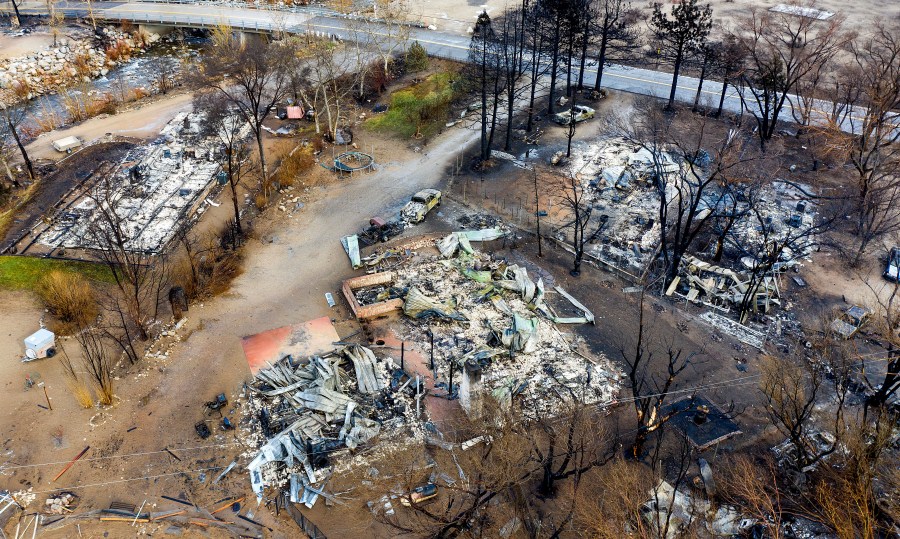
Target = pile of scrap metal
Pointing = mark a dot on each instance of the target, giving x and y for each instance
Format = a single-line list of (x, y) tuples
[(676, 512), (380, 230), (718, 287), (484, 310), (308, 410)]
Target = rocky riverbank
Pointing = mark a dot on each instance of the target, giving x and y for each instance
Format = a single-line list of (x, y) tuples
[(80, 56)]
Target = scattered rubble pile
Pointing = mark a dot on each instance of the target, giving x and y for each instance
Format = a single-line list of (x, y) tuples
[(306, 412), (156, 188), (719, 287), (788, 216), (483, 310), (61, 504), (619, 178), (679, 510), (782, 215), (68, 61)]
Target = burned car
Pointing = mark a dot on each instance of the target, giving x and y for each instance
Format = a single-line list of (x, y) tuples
[(420, 204)]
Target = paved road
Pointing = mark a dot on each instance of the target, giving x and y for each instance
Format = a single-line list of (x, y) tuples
[(324, 23)]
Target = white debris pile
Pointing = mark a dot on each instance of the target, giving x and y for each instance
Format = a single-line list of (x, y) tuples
[(306, 414), (679, 510), (482, 309), (153, 191), (747, 277), (61, 504), (782, 213), (618, 178)]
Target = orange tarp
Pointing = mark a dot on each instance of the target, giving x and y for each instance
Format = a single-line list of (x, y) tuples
[(311, 338)]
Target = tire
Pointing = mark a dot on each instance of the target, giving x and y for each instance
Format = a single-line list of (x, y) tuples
[(51, 352)]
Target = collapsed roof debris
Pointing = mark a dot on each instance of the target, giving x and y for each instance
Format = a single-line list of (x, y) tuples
[(306, 410), (618, 177), (718, 287), (484, 310), (675, 511), (155, 188)]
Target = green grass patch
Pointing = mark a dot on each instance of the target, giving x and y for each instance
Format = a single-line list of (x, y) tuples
[(420, 110), (25, 272)]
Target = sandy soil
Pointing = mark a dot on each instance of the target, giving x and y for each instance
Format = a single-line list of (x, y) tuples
[(860, 14), (15, 46), (454, 15), (143, 121)]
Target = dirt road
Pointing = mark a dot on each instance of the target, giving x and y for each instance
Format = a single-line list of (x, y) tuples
[(144, 121)]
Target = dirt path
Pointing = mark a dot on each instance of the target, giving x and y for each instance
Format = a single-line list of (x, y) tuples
[(15, 46), (144, 121)]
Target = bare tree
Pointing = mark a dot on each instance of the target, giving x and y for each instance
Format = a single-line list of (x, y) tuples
[(96, 362), (14, 17), (563, 26), (708, 55), (484, 77), (615, 25), (389, 33), (139, 277), (771, 248), (730, 66), (753, 485), (250, 76), (600, 515), (572, 195), (680, 34), (651, 380), (511, 63), (693, 165), (536, 42), (6, 157), (488, 471), (230, 129), (792, 389), (55, 18), (781, 50), (161, 71), (329, 80), (13, 118), (852, 494), (864, 134), (884, 382), (567, 444)]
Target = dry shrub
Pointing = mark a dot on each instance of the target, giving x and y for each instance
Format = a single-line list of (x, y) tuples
[(261, 200), (299, 160), (225, 270), (119, 50), (76, 385), (210, 271), (82, 105), (140, 93), (82, 65), (81, 392), (49, 118), (70, 298)]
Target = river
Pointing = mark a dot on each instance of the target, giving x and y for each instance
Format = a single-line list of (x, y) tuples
[(137, 73)]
